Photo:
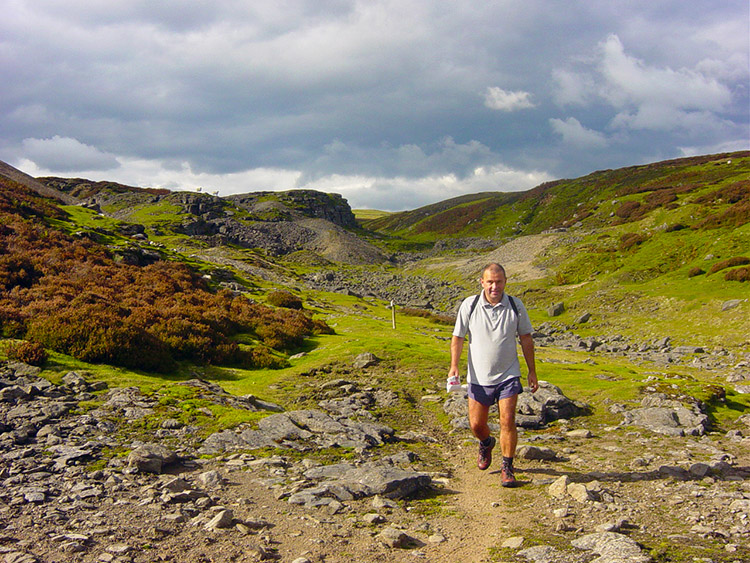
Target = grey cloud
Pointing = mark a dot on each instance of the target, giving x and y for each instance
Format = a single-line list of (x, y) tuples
[(66, 155)]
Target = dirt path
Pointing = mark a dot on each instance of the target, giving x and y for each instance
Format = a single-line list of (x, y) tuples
[(470, 515), (485, 517)]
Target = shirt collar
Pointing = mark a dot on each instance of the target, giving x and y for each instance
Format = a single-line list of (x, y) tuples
[(503, 301)]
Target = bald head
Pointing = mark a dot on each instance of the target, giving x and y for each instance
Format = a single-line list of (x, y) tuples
[(493, 268)]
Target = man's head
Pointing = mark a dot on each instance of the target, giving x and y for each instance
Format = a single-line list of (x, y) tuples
[(493, 282)]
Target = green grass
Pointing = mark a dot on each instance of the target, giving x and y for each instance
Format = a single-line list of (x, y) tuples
[(369, 214)]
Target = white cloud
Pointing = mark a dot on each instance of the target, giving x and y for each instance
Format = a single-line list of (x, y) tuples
[(641, 97), (399, 193), (631, 82), (66, 154), (389, 193), (572, 88), (502, 100), (576, 135)]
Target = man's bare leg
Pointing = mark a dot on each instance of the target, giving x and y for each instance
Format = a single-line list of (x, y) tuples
[(508, 438), (508, 430), (478, 414)]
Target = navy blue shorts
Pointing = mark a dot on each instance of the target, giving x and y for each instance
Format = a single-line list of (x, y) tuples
[(489, 395)]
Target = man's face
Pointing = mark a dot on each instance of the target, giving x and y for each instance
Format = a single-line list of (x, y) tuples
[(493, 282)]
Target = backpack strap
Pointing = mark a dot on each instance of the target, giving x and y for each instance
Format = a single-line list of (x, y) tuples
[(513, 305), (474, 305), (476, 300)]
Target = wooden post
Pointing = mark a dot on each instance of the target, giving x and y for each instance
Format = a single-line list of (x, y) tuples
[(393, 315)]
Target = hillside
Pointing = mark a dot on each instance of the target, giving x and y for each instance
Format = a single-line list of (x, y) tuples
[(590, 200), (671, 240), (276, 223)]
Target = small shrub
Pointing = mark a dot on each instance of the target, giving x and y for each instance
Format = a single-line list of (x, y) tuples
[(696, 271), (284, 299), (629, 240), (262, 358), (739, 274), (439, 319), (729, 263), (629, 210), (31, 353), (560, 278), (675, 227), (660, 197)]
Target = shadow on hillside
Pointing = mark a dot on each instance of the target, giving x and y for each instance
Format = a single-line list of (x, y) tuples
[(674, 473)]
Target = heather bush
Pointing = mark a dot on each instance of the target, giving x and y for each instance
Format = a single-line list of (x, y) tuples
[(262, 357), (660, 197), (414, 312), (629, 210), (31, 353), (629, 240), (733, 193), (284, 299), (69, 295), (696, 271), (738, 212), (735, 215), (729, 263), (738, 274)]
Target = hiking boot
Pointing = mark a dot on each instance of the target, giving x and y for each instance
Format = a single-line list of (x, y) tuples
[(507, 478), (485, 454)]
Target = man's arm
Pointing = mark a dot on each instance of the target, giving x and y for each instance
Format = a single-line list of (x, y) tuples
[(457, 346), (527, 347)]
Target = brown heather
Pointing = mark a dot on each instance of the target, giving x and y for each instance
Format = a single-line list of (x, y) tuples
[(70, 296), (738, 274), (729, 263)]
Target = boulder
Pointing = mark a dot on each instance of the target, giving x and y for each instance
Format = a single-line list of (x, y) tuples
[(535, 453), (365, 360), (372, 478), (559, 488), (613, 547), (393, 537), (150, 458), (556, 309), (533, 410), (666, 416)]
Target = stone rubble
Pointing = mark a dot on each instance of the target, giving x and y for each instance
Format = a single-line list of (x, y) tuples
[(65, 497)]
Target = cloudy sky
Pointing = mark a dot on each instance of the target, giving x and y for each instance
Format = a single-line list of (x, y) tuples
[(392, 103)]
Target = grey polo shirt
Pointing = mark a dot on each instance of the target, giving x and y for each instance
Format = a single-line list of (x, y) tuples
[(492, 331)]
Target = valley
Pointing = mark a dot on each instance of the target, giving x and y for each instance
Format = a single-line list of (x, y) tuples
[(277, 308)]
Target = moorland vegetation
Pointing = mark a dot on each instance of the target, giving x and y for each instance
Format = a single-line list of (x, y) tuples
[(69, 295)]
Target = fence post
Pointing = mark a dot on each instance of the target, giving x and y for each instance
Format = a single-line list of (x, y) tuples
[(393, 314)]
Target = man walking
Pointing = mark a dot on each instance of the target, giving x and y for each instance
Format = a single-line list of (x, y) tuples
[(492, 320)]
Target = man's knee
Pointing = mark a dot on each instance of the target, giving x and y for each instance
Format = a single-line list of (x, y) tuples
[(478, 416), (508, 423), (507, 408)]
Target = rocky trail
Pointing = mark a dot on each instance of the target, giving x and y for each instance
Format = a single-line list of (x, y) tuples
[(79, 485)]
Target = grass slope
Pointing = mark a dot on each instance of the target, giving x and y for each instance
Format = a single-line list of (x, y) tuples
[(564, 202)]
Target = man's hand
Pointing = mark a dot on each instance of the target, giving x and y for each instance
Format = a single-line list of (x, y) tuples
[(533, 382)]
